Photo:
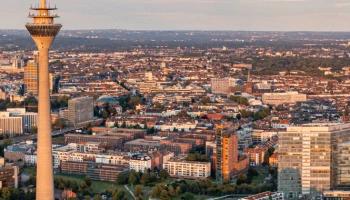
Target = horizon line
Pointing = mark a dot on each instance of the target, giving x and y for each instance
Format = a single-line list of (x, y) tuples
[(189, 30)]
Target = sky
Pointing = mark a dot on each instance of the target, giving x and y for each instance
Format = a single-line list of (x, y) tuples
[(245, 15)]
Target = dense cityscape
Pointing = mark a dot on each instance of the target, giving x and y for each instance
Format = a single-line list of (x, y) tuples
[(183, 115)]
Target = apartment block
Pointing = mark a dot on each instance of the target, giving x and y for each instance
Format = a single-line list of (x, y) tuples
[(180, 168)]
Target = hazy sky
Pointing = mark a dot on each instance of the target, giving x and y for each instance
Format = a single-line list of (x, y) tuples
[(282, 15)]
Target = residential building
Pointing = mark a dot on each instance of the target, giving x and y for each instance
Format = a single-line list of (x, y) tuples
[(273, 160), (222, 85), (80, 110), (103, 172), (256, 155), (95, 171), (140, 162), (180, 168), (142, 145), (226, 154), (9, 174), (109, 141)]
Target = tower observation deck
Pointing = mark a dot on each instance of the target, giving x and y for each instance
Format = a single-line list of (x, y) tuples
[(43, 21)]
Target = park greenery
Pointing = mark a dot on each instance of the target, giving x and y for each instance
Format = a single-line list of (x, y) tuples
[(261, 114), (273, 65), (59, 102), (239, 100), (16, 194), (158, 184)]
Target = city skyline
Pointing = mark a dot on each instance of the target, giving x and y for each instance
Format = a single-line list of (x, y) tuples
[(250, 15), (201, 99)]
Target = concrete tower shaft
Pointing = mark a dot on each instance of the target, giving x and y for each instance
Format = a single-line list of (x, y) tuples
[(43, 31)]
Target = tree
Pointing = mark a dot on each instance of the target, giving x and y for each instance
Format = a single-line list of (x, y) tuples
[(261, 114), (163, 174), (239, 100), (156, 191), (118, 195), (134, 101), (241, 179), (87, 181), (6, 193), (164, 195), (132, 178), (246, 113), (123, 178), (187, 196), (33, 130), (60, 124), (205, 100), (145, 178), (139, 192), (251, 174), (151, 131), (97, 197)]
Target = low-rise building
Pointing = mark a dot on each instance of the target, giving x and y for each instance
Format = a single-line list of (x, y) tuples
[(273, 160), (180, 168), (142, 145), (140, 163), (95, 171), (109, 141), (283, 98), (256, 155), (9, 174), (336, 195)]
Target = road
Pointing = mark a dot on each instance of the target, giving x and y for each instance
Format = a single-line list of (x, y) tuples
[(34, 136), (229, 197), (128, 189)]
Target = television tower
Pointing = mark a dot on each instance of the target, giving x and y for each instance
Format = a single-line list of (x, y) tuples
[(43, 31)]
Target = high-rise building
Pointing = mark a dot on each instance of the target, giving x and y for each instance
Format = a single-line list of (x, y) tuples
[(43, 31), (308, 159), (226, 154), (31, 76), (80, 110)]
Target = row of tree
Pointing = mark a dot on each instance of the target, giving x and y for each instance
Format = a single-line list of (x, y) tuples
[(186, 189), (148, 178), (16, 194)]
